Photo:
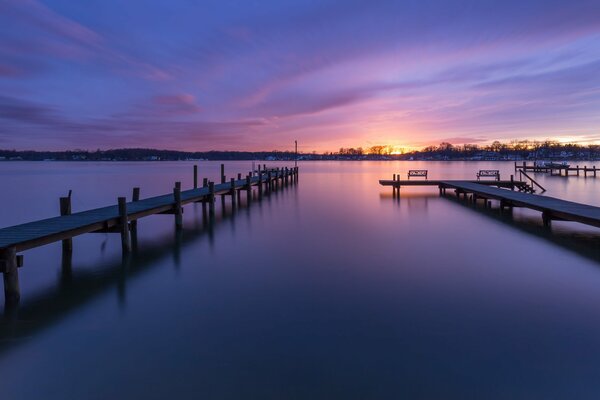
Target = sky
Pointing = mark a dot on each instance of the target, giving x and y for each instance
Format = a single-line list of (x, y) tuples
[(257, 75)]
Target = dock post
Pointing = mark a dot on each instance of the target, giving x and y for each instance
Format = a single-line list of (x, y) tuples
[(12, 293), (259, 184), (233, 193), (178, 209), (211, 197), (248, 188), (65, 209), (204, 182), (195, 177), (546, 218), (512, 182), (269, 181), (124, 225), (585, 171), (222, 173), (578, 170), (135, 197), (594, 171)]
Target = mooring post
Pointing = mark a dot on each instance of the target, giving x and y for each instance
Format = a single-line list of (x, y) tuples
[(578, 170), (585, 171), (232, 192), (204, 182), (259, 185), (124, 225), (211, 197), (8, 258), (512, 182), (222, 173), (594, 171), (546, 218), (267, 184), (195, 177), (248, 188), (135, 197), (178, 208), (65, 209)]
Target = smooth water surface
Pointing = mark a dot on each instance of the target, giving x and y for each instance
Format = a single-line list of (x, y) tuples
[(327, 289)]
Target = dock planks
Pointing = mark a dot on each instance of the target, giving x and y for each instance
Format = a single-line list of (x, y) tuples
[(552, 208)]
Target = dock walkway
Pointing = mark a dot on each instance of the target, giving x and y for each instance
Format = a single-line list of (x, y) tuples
[(551, 208), (121, 218)]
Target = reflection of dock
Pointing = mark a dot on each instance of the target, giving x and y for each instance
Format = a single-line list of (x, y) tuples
[(550, 207), (557, 169), (77, 287), (122, 218)]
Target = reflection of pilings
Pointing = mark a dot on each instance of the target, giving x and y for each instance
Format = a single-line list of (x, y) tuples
[(177, 248), (585, 245), (50, 305)]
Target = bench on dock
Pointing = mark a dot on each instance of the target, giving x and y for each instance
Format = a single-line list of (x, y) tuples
[(417, 173), (488, 173)]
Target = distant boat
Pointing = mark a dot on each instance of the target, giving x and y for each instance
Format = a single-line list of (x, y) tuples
[(551, 164)]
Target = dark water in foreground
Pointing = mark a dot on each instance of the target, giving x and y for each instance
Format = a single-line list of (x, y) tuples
[(327, 289)]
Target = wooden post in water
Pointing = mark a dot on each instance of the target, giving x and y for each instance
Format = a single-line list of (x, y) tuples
[(546, 218), (178, 208), (222, 173), (124, 225), (8, 259), (269, 181), (195, 177), (204, 182), (260, 184), (133, 231), (232, 192), (594, 171), (65, 209), (578, 170), (248, 188), (211, 197)]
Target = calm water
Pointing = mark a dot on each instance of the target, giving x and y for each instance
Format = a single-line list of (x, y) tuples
[(327, 289)]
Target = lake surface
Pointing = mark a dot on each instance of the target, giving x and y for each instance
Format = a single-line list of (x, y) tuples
[(327, 289)]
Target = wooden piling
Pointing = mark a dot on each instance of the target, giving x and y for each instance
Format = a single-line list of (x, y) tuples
[(195, 177), (248, 188), (204, 182), (135, 197), (211, 197), (222, 173), (133, 224), (178, 208), (260, 184), (8, 259), (232, 192), (124, 225), (65, 209)]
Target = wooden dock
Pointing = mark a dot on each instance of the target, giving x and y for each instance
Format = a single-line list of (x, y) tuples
[(121, 218), (551, 208), (558, 170)]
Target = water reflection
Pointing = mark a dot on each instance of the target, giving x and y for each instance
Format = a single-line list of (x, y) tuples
[(74, 289)]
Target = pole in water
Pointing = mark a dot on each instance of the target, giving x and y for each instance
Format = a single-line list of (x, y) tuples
[(124, 225), (296, 151), (195, 177), (178, 209), (65, 209), (12, 292), (222, 173), (211, 197)]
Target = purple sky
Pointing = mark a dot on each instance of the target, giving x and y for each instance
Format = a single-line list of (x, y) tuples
[(251, 75)]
